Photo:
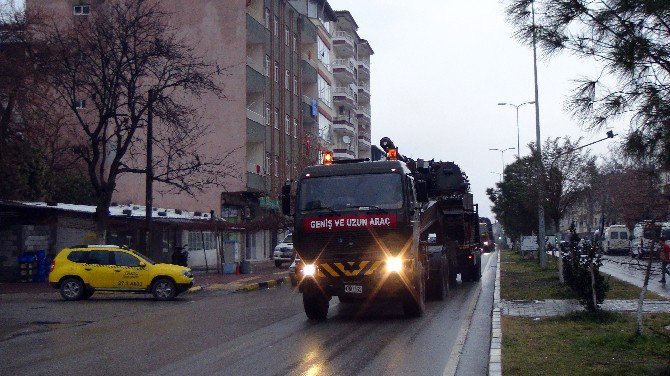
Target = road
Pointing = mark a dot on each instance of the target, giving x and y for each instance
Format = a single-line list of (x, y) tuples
[(257, 333)]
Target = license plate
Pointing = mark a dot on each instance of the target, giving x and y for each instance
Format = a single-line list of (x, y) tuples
[(353, 289)]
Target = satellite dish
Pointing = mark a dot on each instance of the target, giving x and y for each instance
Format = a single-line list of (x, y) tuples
[(346, 139)]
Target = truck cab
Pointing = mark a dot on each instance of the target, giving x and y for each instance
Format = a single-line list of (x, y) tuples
[(356, 232)]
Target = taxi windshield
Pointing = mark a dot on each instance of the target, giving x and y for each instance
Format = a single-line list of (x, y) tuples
[(381, 191)]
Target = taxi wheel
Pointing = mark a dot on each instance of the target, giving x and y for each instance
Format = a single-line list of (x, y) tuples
[(72, 289), (164, 289)]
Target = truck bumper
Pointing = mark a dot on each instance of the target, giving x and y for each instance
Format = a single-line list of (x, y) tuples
[(391, 286)]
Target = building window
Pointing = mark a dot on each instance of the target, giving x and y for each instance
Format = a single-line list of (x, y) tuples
[(295, 85), (276, 122), (295, 128), (287, 124), (276, 166), (267, 65), (266, 168), (82, 10), (295, 43), (287, 78), (199, 240), (267, 114), (288, 170), (325, 93), (322, 51), (80, 104), (276, 71), (267, 18), (286, 35), (276, 28), (325, 129)]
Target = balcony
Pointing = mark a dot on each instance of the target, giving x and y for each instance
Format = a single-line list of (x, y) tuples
[(255, 81), (343, 43), (343, 70), (364, 94), (255, 131), (343, 154), (363, 70), (256, 65), (256, 32), (343, 96), (364, 141), (363, 115), (310, 110), (256, 182), (342, 124), (308, 72), (308, 31)]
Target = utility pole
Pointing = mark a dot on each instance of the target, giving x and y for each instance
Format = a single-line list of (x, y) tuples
[(149, 169), (540, 167)]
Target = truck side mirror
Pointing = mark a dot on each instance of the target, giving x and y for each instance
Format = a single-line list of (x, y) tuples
[(286, 199), (421, 191)]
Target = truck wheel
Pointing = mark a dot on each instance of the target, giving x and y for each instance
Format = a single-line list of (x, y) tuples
[(476, 273), (277, 263), (439, 286), (414, 303), (316, 305)]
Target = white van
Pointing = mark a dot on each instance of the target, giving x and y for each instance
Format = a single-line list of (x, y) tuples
[(616, 240), (640, 244)]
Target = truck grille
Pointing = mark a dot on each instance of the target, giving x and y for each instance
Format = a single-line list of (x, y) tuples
[(351, 245)]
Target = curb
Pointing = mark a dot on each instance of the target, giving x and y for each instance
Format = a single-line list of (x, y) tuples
[(495, 352), (236, 287)]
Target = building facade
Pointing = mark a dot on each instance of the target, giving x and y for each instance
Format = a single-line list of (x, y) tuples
[(276, 64)]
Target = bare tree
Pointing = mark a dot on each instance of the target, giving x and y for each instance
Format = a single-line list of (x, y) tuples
[(102, 69)]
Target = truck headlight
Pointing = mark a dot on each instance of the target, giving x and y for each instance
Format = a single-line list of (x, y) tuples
[(393, 264), (309, 270)]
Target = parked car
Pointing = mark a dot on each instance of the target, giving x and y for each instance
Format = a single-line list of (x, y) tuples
[(616, 240), (284, 251), (80, 271)]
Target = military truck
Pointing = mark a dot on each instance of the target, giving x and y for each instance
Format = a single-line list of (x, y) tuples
[(357, 234)]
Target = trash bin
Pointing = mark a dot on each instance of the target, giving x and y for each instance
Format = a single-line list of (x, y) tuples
[(245, 267)]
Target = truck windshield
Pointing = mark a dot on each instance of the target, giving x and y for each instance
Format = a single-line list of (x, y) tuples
[(379, 191)]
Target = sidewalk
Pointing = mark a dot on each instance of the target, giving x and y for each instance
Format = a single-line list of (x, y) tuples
[(632, 271), (264, 274)]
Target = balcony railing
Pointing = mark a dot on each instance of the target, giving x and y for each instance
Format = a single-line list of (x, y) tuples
[(343, 35), (362, 111), (256, 65), (254, 116), (347, 64), (364, 64)]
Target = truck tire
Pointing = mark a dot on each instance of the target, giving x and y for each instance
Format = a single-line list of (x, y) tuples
[(451, 277), (439, 284), (316, 305), (414, 303), (277, 264), (476, 273)]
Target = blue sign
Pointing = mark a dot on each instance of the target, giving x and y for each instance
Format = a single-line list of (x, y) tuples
[(315, 107)]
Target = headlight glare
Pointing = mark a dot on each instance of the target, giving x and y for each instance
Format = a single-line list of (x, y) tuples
[(309, 270), (393, 264)]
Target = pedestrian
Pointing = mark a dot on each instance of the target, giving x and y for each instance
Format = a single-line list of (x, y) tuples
[(665, 259)]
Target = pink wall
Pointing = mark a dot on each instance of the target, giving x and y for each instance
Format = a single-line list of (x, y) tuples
[(218, 31)]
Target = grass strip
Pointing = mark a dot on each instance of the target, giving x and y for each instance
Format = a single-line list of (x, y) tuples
[(523, 279), (585, 343)]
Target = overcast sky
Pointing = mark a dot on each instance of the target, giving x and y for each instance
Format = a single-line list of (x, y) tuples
[(439, 69)]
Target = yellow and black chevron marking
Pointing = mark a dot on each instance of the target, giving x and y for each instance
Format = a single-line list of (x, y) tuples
[(349, 269)]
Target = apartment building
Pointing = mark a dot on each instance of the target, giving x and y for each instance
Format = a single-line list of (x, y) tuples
[(280, 110), (351, 90)]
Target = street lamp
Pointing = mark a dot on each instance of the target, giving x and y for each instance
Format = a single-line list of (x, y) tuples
[(502, 158), (518, 146), (499, 175)]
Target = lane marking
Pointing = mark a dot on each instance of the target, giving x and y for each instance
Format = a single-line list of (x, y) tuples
[(457, 350)]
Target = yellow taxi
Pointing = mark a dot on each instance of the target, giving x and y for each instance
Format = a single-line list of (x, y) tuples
[(80, 271)]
